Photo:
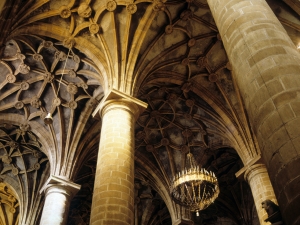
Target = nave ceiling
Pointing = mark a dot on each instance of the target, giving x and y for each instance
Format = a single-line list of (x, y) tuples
[(64, 56)]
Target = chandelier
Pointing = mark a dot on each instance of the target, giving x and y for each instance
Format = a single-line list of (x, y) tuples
[(194, 187)]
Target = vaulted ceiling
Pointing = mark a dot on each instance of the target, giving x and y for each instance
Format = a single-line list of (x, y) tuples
[(63, 57)]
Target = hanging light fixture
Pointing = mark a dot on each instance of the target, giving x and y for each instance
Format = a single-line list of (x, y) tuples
[(194, 187), (48, 119)]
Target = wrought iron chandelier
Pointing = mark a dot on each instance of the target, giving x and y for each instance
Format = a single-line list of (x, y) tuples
[(194, 187)]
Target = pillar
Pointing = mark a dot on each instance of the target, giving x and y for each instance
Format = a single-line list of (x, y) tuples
[(261, 188), (266, 69), (58, 195), (113, 197)]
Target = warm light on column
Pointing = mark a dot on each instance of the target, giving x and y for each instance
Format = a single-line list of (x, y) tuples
[(261, 188), (113, 197)]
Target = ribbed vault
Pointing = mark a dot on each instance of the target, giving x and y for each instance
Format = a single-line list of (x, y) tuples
[(62, 57)]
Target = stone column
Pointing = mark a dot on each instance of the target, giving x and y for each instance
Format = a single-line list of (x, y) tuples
[(113, 197), (261, 187), (59, 193), (266, 67)]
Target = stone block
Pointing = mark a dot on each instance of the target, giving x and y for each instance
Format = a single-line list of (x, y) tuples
[(284, 98), (286, 113), (266, 52)]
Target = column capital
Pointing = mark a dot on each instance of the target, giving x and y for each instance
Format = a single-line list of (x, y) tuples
[(249, 166), (65, 185), (117, 98), (254, 170)]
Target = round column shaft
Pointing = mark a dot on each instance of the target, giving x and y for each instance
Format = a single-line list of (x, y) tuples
[(266, 68), (59, 193), (261, 188), (113, 198)]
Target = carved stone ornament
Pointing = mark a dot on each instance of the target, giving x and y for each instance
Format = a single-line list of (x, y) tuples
[(83, 85), (185, 61), (72, 88), (47, 44), (189, 102), (187, 116), (131, 8), (187, 133), (172, 97), (111, 6), (20, 56), (25, 149), (35, 102), (56, 102), (94, 28), (37, 166), (201, 62), (149, 148), (23, 68), (13, 144), (24, 86), (15, 171), (72, 73), (84, 10), (69, 42), (9, 205), (213, 77), (49, 77), (274, 215), (65, 12), (191, 42), (140, 135), (43, 115), (186, 15), (158, 6), (72, 104), (165, 142), (6, 159), (186, 87), (60, 55), (93, 102), (10, 78), (37, 57), (19, 105), (76, 58), (169, 29), (25, 127)]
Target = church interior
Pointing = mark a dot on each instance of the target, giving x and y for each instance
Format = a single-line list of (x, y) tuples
[(102, 103)]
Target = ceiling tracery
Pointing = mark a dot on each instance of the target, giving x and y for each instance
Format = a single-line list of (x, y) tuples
[(25, 167), (168, 53), (63, 56), (41, 77), (9, 210)]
